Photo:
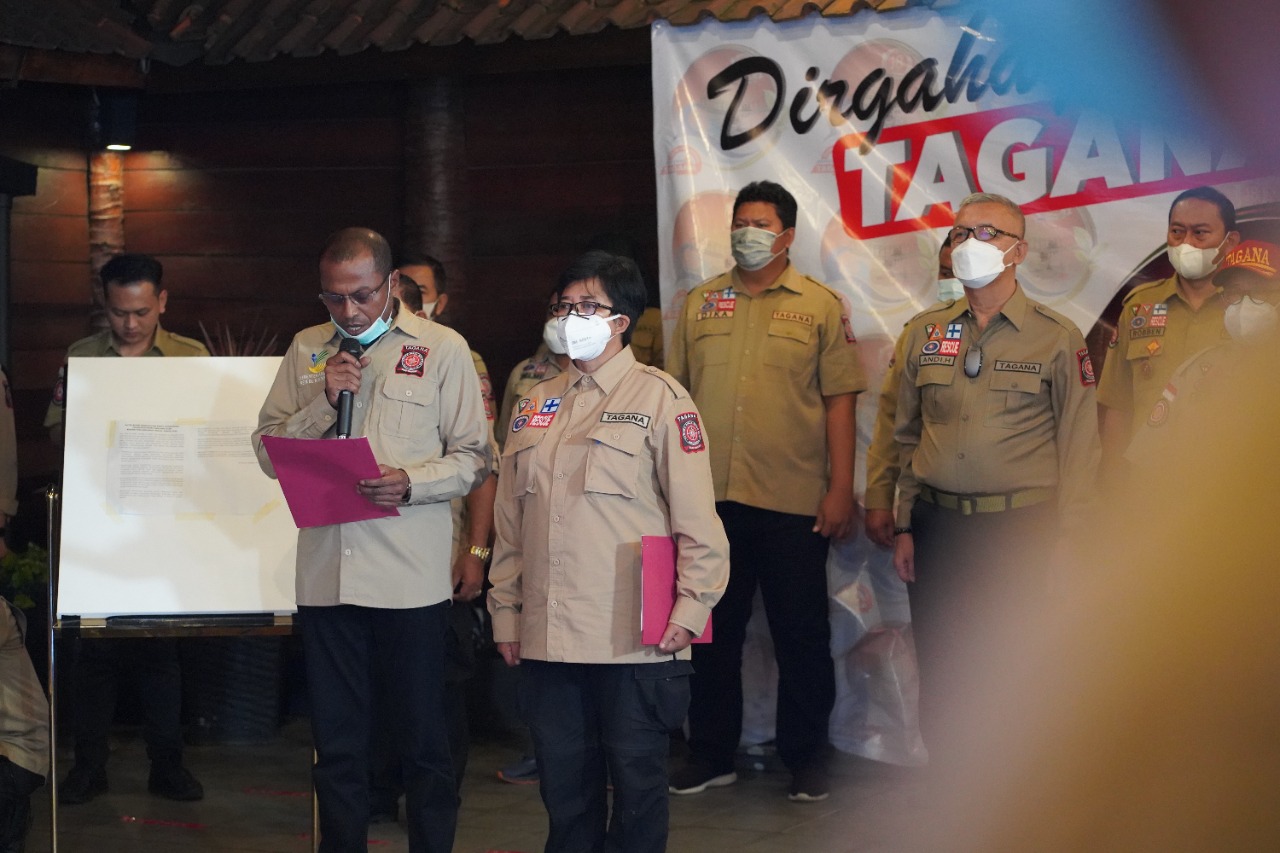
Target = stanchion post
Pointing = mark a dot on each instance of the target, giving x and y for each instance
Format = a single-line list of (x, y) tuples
[(52, 497)]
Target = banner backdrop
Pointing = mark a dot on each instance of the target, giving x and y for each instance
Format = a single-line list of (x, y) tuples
[(880, 124)]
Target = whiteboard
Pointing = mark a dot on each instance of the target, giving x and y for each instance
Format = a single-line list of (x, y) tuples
[(163, 511)]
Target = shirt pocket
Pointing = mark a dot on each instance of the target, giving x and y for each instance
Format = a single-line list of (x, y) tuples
[(787, 346), (1014, 400), (518, 460), (711, 341), (933, 383), (407, 407), (613, 460)]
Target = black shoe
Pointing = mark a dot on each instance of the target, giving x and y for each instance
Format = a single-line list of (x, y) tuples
[(174, 782), (82, 785), (809, 785), (696, 777)]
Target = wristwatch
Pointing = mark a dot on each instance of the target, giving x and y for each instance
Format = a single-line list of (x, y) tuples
[(482, 553)]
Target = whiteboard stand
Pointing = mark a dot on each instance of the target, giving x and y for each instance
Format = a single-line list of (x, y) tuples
[(243, 625)]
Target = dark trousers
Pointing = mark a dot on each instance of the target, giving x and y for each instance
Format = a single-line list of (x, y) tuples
[(592, 723), (341, 645), (780, 554), (16, 787), (974, 574), (386, 784), (100, 666)]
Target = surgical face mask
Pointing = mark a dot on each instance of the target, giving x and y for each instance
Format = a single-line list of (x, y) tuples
[(977, 264), (949, 288), (753, 247), (551, 336), (1192, 263), (376, 329), (429, 309), (585, 338), (1249, 318)]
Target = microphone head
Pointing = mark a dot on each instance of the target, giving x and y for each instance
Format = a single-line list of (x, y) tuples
[(352, 346)]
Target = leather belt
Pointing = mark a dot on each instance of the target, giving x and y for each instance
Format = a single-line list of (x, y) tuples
[(969, 504)]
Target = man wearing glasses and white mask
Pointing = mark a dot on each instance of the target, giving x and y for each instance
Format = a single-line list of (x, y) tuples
[(997, 424), (380, 589)]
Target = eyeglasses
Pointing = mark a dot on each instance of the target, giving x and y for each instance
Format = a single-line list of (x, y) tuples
[(583, 309), (360, 297), (972, 362), (984, 233)]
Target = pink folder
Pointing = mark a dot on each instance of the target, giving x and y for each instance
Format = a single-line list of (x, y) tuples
[(658, 589), (318, 477)]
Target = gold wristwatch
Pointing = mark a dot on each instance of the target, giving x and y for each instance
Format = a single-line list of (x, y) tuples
[(482, 553)]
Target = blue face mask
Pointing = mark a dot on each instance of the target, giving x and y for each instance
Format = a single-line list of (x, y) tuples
[(377, 329)]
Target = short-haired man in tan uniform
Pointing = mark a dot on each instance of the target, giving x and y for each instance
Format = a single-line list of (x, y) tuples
[(769, 357)]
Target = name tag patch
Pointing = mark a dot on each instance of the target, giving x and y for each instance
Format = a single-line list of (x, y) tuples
[(413, 360), (636, 418), (937, 359), (1032, 367), (690, 433), (794, 316)]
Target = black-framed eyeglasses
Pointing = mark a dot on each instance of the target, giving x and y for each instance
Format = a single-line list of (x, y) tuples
[(984, 233), (585, 308), (360, 297), (972, 361)]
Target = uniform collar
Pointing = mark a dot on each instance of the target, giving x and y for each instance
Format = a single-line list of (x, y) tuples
[(1014, 309), (607, 375), (789, 278)]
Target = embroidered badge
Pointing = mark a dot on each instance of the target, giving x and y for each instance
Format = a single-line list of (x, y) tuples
[(1086, 367), (1159, 413), (794, 316), (527, 406), (1150, 331), (1137, 322), (931, 347), (541, 421), (717, 303), (1160, 309), (636, 418), (1153, 347), (953, 331), (533, 370), (849, 337), (933, 331), (690, 433), (1032, 367), (550, 406), (519, 422), (413, 360), (318, 360), (950, 348), (937, 359)]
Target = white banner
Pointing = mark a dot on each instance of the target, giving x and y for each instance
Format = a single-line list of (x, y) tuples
[(880, 124)]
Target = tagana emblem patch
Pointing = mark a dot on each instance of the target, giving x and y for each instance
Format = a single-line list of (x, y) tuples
[(690, 433), (413, 360)]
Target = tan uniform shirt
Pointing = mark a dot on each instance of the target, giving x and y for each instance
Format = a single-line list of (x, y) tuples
[(24, 710), (882, 453), (458, 506), (95, 346), (1161, 435), (1028, 419), (758, 368), (646, 339), (1157, 331), (528, 373), (419, 405), (486, 385), (8, 454), (593, 463)]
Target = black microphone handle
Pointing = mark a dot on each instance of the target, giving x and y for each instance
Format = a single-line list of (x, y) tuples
[(344, 414), (344, 397)]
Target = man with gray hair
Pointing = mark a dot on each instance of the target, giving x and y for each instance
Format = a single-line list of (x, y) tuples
[(998, 428)]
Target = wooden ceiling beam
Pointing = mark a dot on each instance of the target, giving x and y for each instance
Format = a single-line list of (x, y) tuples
[(25, 64)]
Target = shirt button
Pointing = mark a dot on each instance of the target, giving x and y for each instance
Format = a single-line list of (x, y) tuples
[(408, 393), (739, 408), (555, 604), (582, 403), (560, 476), (964, 417), (555, 562), (617, 435), (347, 552), (959, 455), (359, 405), (556, 519)]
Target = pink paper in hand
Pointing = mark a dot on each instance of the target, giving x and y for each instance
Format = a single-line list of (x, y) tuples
[(318, 477), (658, 589)]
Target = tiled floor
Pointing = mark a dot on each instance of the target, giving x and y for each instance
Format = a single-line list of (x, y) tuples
[(257, 799)]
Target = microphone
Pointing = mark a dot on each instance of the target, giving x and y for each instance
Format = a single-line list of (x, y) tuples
[(352, 346)]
